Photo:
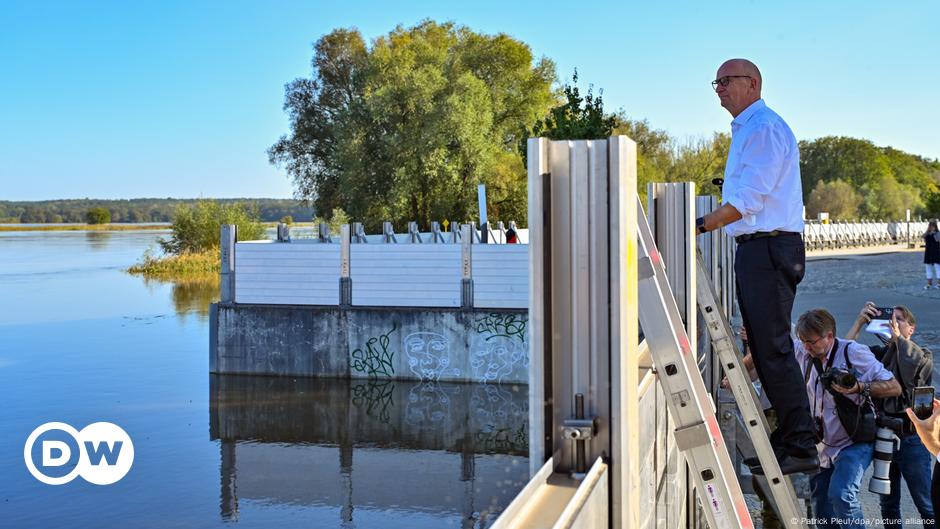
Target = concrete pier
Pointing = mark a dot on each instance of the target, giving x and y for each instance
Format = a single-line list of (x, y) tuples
[(437, 345)]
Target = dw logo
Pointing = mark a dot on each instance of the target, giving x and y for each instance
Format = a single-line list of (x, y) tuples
[(102, 453)]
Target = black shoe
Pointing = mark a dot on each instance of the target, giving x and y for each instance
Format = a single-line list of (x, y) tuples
[(792, 465)]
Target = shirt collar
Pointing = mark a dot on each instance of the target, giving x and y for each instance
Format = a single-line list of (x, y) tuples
[(747, 113)]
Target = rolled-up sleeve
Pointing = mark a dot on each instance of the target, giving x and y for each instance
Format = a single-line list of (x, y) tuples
[(758, 169)]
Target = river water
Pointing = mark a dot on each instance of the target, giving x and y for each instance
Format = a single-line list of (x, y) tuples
[(81, 341)]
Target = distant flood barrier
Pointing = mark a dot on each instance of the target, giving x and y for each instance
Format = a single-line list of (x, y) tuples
[(854, 234)]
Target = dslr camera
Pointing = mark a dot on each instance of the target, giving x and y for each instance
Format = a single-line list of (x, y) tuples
[(836, 375)]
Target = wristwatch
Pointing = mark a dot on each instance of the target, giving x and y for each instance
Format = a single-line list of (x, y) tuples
[(866, 389), (700, 225)]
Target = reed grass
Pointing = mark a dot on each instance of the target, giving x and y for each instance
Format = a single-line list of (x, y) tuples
[(194, 267)]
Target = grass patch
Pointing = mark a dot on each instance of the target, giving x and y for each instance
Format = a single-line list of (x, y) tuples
[(87, 227), (194, 266)]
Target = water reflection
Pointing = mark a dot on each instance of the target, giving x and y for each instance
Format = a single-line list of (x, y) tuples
[(385, 454), (97, 240), (192, 295)]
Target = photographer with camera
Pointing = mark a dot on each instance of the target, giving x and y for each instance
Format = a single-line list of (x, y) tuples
[(912, 367), (840, 378)]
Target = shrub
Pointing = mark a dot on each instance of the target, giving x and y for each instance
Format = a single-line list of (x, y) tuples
[(197, 228)]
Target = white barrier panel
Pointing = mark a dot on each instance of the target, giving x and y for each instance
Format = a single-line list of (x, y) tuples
[(405, 275), (501, 276), (286, 274)]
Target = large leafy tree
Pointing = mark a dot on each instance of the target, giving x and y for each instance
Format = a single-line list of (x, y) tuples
[(405, 128), (888, 180), (840, 199)]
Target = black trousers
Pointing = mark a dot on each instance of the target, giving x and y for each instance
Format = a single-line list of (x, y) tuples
[(768, 270)]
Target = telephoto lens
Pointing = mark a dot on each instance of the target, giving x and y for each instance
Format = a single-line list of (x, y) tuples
[(884, 451)]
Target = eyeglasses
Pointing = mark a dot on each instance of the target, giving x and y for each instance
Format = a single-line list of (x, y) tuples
[(811, 343), (725, 81)]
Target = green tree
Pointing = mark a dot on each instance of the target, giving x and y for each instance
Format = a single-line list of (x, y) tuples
[(405, 129), (578, 118), (701, 160), (337, 218), (198, 228), (98, 216), (654, 151), (838, 198), (890, 181)]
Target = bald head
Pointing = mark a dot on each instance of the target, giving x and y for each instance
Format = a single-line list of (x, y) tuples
[(743, 67), (743, 85)]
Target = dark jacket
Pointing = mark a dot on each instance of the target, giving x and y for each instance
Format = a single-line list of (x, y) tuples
[(932, 247), (912, 366)]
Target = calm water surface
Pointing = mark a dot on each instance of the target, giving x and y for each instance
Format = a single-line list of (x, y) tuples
[(81, 342)]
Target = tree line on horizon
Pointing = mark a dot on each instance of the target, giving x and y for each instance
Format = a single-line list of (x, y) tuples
[(139, 210), (405, 127)]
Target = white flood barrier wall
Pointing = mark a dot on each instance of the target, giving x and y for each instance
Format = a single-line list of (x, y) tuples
[(287, 274), (452, 274)]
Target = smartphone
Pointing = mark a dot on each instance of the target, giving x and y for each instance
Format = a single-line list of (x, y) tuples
[(923, 402), (883, 313)]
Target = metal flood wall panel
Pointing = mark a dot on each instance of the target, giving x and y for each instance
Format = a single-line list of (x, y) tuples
[(500, 276), (287, 274), (406, 275)]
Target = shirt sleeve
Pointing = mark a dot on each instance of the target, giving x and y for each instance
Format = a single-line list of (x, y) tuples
[(869, 368), (759, 168)]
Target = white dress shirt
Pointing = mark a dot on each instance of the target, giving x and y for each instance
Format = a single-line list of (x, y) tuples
[(762, 176)]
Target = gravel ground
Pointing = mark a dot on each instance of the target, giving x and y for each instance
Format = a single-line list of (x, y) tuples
[(842, 285)]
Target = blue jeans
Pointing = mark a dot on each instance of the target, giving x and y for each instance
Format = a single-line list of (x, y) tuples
[(835, 489), (914, 462)]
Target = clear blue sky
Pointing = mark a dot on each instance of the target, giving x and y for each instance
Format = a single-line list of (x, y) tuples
[(182, 99)]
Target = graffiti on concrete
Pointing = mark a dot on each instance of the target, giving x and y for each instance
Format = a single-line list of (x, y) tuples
[(428, 356), (376, 397), (502, 325), (504, 351), (376, 359), (496, 358)]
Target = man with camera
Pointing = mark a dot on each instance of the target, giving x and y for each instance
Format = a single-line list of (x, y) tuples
[(912, 367), (840, 376)]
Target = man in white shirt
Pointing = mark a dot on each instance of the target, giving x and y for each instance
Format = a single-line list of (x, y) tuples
[(763, 210)]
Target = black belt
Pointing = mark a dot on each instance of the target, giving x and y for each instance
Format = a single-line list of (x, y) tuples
[(761, 234)]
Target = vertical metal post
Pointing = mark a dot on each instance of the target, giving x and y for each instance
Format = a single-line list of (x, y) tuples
[(345, 282), (540, 310), (388, 233), (414, 236), (466, 267), (227, 247), (625, 428), (359, 234)]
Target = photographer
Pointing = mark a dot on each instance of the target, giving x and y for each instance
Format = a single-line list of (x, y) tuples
[(840, 376), (912, 366)]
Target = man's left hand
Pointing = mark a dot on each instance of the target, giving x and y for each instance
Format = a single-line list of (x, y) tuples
[(857, 388)]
